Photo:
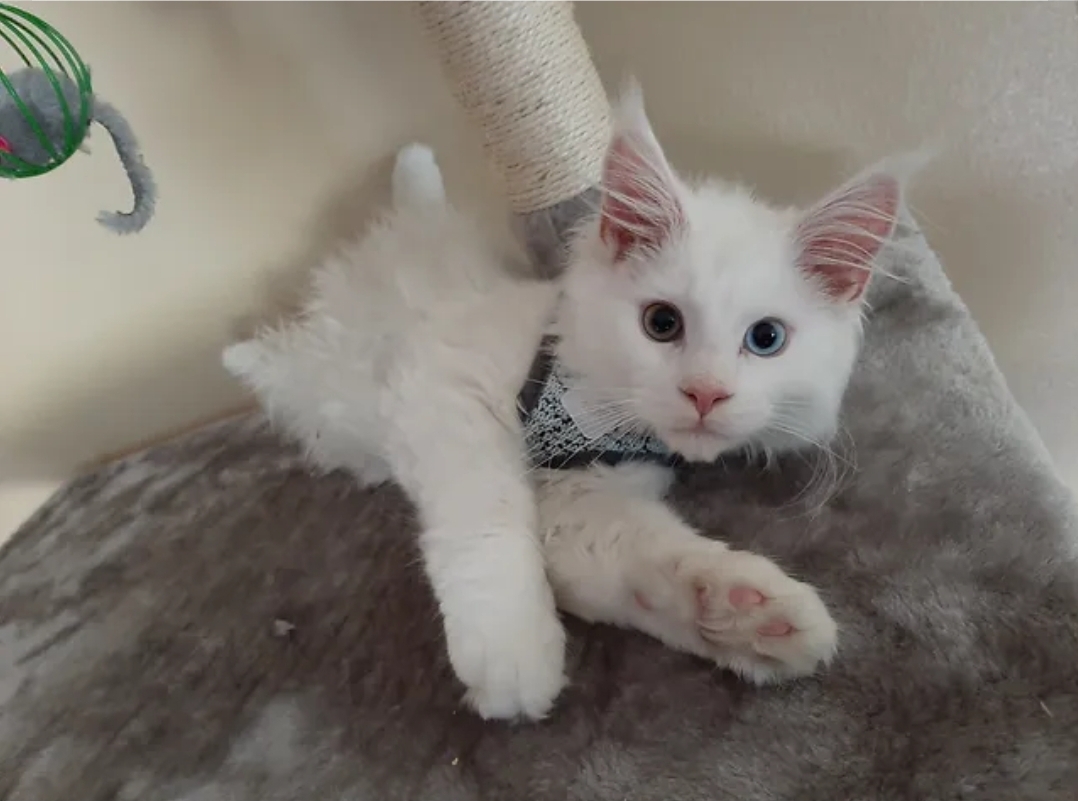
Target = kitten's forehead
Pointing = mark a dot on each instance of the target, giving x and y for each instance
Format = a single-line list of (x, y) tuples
[(734, 250)]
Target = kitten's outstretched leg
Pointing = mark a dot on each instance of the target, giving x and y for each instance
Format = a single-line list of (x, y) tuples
[(463, 467), (617, 554)]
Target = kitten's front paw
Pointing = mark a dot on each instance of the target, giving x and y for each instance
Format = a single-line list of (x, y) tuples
[(511, 657), (742, 611), (758, 621)]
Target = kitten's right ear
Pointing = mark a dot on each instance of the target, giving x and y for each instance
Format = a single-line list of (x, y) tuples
[(640, 209), (840, 237)]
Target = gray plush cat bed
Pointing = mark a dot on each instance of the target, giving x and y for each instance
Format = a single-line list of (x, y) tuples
[(208, 621)]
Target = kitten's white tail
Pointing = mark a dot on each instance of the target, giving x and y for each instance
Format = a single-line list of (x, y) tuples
[(417, 181)]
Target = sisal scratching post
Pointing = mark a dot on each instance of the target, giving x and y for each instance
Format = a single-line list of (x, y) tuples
[(523, 74)]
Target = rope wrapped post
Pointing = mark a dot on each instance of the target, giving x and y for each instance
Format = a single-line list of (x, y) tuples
[(523, 74)]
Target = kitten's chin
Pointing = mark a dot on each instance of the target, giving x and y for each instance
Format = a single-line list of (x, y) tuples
[(703, 446)]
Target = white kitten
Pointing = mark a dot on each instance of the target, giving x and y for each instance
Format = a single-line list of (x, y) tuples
[(693, 312)]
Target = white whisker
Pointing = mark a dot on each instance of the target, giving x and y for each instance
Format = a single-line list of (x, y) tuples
[(829, 467)]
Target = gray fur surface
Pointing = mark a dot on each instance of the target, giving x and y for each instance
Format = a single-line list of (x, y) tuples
[(209, 622), (42, 100)]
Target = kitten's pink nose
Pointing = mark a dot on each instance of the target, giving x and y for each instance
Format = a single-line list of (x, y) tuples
[(705, 397)]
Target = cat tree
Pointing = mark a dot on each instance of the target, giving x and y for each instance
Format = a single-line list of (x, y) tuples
[(523, 74)]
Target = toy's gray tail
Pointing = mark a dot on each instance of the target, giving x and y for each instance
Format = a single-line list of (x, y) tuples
[(142, 182)]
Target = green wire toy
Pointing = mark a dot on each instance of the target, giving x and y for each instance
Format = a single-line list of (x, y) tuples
[(46, 110)]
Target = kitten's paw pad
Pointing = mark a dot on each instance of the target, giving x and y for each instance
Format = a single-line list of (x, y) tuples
[(758, 621), (512, 665), (776, 628), (740, 597)]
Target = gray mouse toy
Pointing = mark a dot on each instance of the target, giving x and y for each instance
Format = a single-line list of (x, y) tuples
[(22, 145)]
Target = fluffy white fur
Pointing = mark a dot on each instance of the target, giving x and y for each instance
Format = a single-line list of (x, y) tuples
[(408, 358)]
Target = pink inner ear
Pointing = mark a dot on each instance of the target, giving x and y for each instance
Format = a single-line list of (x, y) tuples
[(840, 238), (639, 209)]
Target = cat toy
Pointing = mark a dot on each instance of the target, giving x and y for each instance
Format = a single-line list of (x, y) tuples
[(47, 108)]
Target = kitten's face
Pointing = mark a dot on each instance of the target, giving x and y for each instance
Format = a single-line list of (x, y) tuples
[(713, 319)]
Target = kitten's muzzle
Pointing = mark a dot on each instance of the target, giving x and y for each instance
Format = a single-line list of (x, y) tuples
[(705, 397)]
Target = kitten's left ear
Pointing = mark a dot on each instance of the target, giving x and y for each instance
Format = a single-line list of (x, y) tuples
[(640, 208), (839, 238)]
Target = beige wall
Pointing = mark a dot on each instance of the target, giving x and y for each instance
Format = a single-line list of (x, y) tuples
[(269, 126)]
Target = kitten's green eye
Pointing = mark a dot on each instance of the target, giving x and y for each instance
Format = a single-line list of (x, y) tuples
[(662, 322)]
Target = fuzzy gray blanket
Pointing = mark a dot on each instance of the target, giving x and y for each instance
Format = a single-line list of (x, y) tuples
[(207, 621)]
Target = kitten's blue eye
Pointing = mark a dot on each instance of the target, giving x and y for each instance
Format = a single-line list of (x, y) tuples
[(765, 337)]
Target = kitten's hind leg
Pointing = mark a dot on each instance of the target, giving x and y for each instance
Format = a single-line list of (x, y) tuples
[(617, 554), (417, 180)]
